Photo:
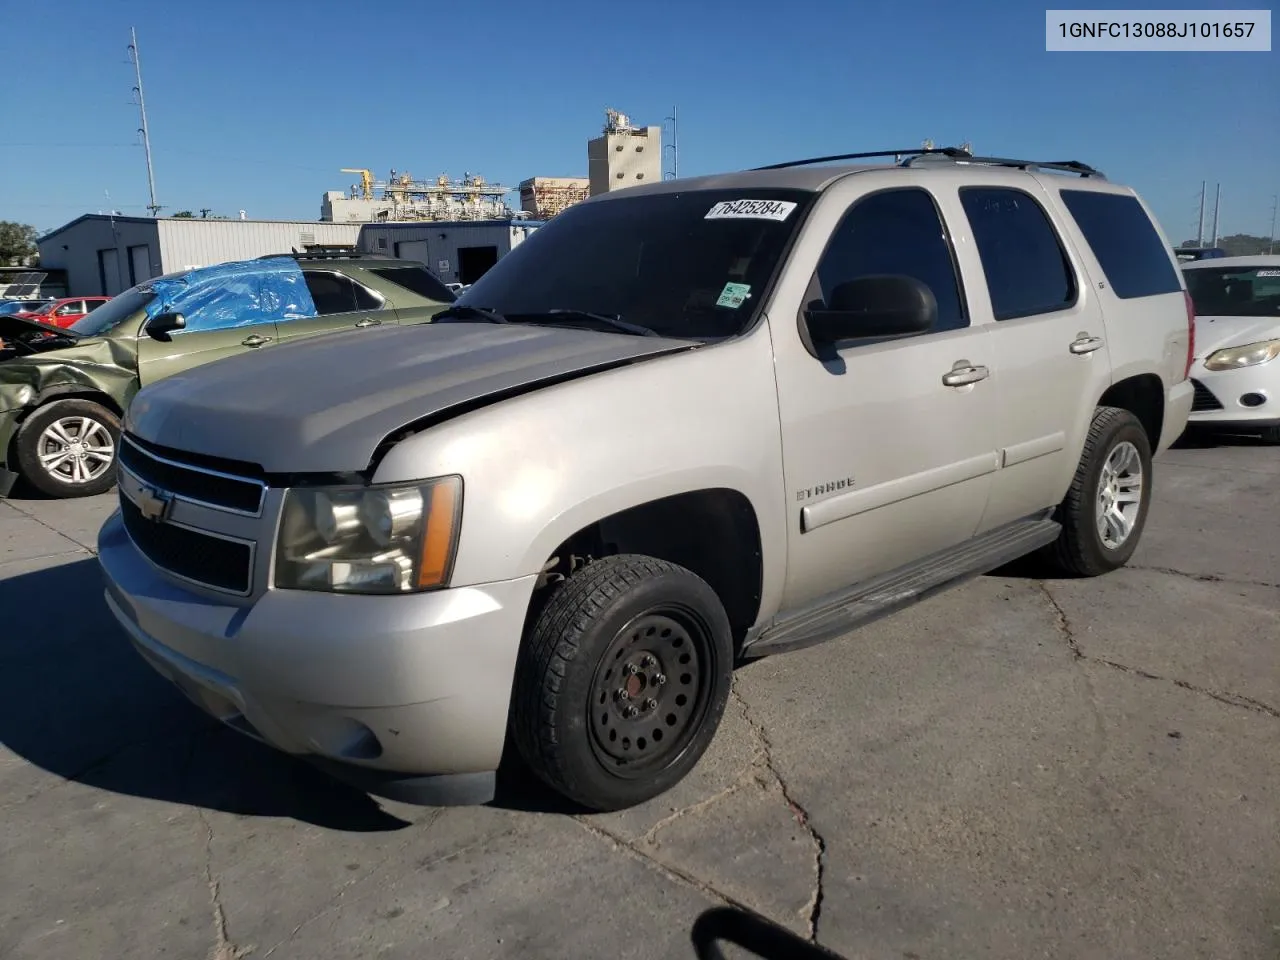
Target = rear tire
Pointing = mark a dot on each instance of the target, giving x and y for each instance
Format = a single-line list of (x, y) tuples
[(1105, 510), (68, 448), (622, 682)]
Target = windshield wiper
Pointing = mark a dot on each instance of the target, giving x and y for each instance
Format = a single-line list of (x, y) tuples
[(462, 311), (586, 316)]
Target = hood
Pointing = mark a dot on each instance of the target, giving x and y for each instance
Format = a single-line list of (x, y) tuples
[(20, 329), (1217, 333), (324, 404)]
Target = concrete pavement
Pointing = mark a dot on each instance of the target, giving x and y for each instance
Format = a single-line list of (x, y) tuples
[(1019, 768)]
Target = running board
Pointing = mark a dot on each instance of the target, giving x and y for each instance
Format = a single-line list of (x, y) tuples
[(836, 614)]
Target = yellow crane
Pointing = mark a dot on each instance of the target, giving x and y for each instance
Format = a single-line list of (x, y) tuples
[(366, 181)]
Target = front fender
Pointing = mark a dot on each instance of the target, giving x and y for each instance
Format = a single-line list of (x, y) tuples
[(540, 467)]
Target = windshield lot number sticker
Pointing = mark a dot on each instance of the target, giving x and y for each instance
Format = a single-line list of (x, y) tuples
[(1269, 273), (734, 295), (751, 210)]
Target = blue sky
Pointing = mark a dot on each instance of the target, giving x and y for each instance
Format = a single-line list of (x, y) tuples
[(257, 106)]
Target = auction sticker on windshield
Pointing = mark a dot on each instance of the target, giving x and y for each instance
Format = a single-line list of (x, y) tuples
[(734, 295), (751, 210)]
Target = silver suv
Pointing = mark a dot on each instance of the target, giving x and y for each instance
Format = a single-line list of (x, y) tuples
[(684, 425)]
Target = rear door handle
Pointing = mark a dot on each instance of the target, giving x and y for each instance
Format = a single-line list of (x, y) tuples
[(368, 322), (255, 341), (963, 374), (1083, 343)]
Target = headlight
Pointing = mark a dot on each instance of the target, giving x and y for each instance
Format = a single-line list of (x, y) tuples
[(1250, 355), (396, 538)]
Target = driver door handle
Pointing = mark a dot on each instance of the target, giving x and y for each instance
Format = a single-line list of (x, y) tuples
[(964, 374), (368, 322), (255, 341), (1083, 344)]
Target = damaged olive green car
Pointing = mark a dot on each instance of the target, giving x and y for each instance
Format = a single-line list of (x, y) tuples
[(63, 391)]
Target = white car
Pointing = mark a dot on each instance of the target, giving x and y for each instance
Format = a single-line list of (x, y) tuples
[(1236, 372)]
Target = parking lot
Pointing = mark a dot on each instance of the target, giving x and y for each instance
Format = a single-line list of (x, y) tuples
[(1017, 768)]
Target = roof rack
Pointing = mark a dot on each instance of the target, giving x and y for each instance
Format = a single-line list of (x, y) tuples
[(954, 152), (338, 253), (1065, 166), (908, 158)]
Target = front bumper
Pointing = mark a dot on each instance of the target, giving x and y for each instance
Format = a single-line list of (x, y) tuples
[(1220, 396), (404, 696)]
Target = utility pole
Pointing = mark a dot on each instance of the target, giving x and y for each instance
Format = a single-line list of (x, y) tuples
[(142, 107), (1204, 185), (1217, 204), (204, 213), (674, 147)]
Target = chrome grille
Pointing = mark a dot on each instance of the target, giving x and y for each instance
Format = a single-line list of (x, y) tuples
[(195, 484), (217, 561)]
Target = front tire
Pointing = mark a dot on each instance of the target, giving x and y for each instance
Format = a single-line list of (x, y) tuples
[(1105, 510), (68, 448), (623, 681)]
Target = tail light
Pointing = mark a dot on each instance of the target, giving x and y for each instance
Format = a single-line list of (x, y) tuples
[(1191, 334)]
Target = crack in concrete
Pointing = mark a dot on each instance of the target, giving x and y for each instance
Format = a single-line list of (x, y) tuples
[(223, 948), (1227, 697), (1205, 577), (813, 909), (49, 526), (672, 873), (746, 780)]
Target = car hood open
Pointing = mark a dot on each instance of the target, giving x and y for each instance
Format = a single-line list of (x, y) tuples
[(325, 404)]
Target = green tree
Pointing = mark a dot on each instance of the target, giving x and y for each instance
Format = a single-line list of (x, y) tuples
[(17, 242), (184, 215)]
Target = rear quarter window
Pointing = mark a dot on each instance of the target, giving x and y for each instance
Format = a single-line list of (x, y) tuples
[(417, 279), (1129, 250)]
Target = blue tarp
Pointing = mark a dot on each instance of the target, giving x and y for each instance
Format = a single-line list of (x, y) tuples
[(235, 294)]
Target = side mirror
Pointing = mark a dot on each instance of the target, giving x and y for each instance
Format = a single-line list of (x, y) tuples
[(877, 306), (162, 324)]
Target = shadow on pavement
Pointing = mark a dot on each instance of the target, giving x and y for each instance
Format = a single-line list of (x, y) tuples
[(1195, 439), (77, 701)]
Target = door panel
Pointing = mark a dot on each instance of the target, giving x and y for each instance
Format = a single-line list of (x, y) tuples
[(1049, 343), (190, 348), (884, 462)]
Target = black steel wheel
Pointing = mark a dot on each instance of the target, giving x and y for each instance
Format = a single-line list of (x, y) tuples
[(622, 681)]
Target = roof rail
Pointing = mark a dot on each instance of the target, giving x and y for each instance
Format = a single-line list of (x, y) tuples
[(1065, 166), (953, 152)]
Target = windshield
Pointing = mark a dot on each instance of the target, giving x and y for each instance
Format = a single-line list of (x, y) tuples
[(112, 313), (690, 265), (1235, 291), (23, 306)]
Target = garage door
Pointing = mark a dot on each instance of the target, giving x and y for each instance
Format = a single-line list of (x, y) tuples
[(109, 271), (413, 250)]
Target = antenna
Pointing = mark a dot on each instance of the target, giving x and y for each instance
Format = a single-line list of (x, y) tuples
[(1217, 204), (1204, 185), (142, 107), (674, 147)]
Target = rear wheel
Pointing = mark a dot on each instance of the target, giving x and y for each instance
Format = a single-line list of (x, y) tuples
[(68, 448), (622, 681), (1105, 510)]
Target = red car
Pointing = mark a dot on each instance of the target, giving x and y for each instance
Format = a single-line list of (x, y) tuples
[(64, 312)]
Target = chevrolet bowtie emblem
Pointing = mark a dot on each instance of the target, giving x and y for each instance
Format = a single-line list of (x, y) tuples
[(154, 504)]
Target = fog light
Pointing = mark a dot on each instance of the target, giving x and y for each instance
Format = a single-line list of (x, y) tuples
[(1253, 400)]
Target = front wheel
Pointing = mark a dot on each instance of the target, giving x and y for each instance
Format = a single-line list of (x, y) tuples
[(67, 448), (1105, 510), (623, 681)]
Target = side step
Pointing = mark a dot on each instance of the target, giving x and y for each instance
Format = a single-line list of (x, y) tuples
[(836, 614)]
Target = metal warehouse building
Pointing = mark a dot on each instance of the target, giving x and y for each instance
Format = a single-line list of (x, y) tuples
[(456, 251), (104, 254)]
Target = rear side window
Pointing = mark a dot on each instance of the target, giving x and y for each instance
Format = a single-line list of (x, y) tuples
[(1129, 250), (334, 293), (1026, 268), (419, 280)]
